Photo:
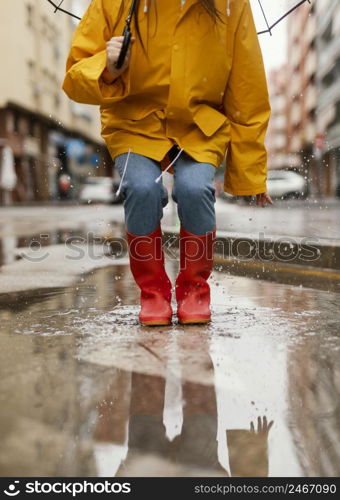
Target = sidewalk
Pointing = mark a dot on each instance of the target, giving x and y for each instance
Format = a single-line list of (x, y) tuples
[(295, 218), (295, 242), (298, 232)]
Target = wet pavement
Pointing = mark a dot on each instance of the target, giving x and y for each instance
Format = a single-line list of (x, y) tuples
[(301, 218), (35, 227), (297, 218), (86, 391), (317, 219)]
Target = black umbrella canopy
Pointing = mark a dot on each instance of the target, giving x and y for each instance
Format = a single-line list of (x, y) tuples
[(267, 13)]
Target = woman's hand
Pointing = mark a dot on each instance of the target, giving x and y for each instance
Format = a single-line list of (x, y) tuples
[(262, 426), (113, 48), (263, 198)]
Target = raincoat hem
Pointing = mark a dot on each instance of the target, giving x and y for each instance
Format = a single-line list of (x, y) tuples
[(160, 155)]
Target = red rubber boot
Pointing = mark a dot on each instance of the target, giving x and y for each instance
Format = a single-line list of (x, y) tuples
[(147, 266), (192, 287)]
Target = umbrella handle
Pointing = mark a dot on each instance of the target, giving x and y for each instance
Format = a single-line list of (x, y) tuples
[(127, 36), (125, 47)]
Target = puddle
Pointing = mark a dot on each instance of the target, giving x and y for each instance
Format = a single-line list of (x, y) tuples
[(86, 391), (95, 231)]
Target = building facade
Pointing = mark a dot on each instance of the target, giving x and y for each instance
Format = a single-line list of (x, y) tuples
[(48, 134), (328, 103), (301, 91), (276, 137)]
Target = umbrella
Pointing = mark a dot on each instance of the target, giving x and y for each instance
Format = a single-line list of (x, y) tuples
[(127, 32), (262, 9), (268, 14)]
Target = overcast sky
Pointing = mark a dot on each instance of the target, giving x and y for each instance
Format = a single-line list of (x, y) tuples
[(274, 48)]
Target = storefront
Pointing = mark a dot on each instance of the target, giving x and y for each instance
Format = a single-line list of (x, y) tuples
[(43, 151)]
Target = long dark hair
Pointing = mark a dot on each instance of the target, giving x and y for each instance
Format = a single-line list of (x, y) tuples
[(209, 6)]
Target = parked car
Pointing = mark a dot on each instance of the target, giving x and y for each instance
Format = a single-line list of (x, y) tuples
[(228, 197), (286, 184), (283, 184), (99, 190)]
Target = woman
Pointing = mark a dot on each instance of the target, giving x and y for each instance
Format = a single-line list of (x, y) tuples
[(191, 92)]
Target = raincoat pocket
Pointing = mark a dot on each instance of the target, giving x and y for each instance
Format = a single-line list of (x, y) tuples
[(130, 117), (208, 119)]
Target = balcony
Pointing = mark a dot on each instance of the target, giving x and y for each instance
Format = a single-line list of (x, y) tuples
[(310, 64), (309, 132), (310, 97), (295, 87), (295, 55), (296, 113), (311, 30), (296, 143)]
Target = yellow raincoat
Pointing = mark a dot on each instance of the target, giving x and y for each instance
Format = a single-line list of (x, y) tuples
[(204, 86)]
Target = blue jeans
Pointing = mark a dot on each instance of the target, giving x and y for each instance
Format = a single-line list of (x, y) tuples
[(144, 199)]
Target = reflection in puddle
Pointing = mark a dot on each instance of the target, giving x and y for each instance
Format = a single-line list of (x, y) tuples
[(98, 232), (170, 428), (86, 391)]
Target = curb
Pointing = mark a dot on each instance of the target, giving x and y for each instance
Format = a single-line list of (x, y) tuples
[(307, 252)]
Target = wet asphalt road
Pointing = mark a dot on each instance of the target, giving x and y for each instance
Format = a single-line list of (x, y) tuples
[(86, 391)]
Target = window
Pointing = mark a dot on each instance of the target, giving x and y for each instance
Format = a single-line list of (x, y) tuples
[(15, 121), (33, 129), (31, 70), (44, 26), (30, 15), (56, 50), (10, 121), (57, 100)]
